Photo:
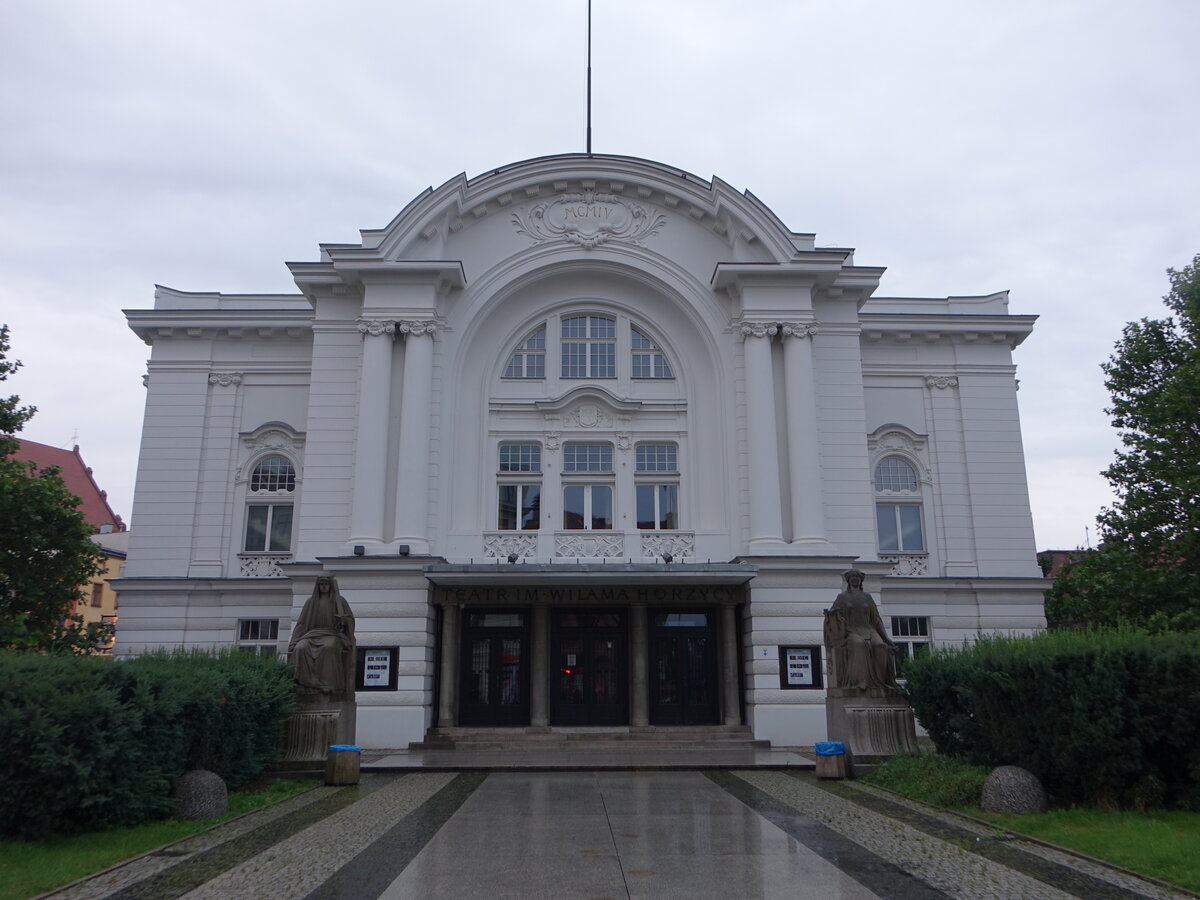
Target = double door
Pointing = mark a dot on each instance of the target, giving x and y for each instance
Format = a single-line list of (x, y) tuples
[(494, 674), (683, 669), (588, 668)]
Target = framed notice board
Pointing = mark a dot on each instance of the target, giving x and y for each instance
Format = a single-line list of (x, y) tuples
[(375, 669), (800, 667)]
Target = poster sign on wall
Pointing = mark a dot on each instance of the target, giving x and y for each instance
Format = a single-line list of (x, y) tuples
[(376, 668), (800, 667)]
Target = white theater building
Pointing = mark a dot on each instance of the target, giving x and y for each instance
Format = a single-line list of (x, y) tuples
[(586, 441)]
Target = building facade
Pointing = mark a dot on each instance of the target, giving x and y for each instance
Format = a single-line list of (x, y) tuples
[(586, 441)]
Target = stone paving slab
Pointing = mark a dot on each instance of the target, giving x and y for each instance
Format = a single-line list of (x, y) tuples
[(746, 834)]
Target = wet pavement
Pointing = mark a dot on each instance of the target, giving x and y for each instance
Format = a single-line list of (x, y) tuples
[(752, 833)]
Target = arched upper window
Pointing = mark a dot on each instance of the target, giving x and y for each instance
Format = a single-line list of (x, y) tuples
[(269, 524), (899, 525), (273, 473), (529, 359), (589, 347), (648, 360)]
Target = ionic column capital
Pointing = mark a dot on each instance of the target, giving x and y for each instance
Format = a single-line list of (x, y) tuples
[(799, 329), (758, 329), (416, 327), (941, 382), (372, 328)]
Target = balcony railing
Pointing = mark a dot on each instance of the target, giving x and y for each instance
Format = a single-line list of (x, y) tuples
[(910, 564)]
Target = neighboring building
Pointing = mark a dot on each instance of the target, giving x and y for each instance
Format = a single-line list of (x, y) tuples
[(97, 600), (586, 440)]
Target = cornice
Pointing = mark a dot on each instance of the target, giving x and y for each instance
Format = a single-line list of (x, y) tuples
[(924, 328), (250, 324)]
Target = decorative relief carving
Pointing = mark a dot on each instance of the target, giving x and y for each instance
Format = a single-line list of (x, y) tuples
[(894, 440), (759, 329), (225, 379), (624, 441), (271, 439), (593, 545), (589, 219), (502, 546), (799, 329), (376, 329), (263, 566), (909, 564), (416, 327), (552, 440), (941, 382), (678, 544), (588, 416)]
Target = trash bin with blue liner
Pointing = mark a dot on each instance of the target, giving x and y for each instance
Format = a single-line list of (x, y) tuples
[(831, 759), (342, 764)]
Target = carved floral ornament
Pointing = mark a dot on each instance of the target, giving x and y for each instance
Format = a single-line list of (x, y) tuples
[(225, 379), (416, 327), (941, 382), (798, 329), (589, 219), (588, 416), (770, 329), (375, 329)]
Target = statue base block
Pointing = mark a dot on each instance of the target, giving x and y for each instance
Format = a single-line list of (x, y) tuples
[(874, 723)]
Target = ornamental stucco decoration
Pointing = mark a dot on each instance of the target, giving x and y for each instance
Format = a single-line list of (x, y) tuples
[(678, 545), (262, 566), (552, 440), (588, 416), (759, 329), (941, 382), (894, 440), (799, 329), (593, 546), (502, 546), (274, 439), (624, 441), (225, 379), (369, 327), (416, 327), (589, 219)]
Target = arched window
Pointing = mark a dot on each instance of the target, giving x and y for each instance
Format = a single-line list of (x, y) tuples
[(898, 507), (269, 512), (648, 360), (589, 347), (529, 359)]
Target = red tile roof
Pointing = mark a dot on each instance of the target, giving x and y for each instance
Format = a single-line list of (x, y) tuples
[(78, 478)]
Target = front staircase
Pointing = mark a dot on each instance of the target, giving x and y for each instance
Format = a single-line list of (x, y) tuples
[(623, 737)]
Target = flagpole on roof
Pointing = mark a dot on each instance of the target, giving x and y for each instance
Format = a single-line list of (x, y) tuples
[(589, 78)]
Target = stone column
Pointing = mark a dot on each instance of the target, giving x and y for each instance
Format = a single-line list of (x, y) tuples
[(730, 661), (804, 444), (370, 454), (448, 697), (766, 514), (412, 481), (638, 689), (539, 669)]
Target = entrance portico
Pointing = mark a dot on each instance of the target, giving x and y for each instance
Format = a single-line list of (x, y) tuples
[(579, 645)]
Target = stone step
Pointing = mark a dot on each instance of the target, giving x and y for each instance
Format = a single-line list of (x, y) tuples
[(681, 737)]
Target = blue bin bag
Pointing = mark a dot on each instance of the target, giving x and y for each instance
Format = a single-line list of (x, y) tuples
[(830, 748), (344, 748)]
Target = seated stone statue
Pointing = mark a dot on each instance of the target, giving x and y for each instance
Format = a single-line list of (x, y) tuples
[(861, 651), (322, 646)]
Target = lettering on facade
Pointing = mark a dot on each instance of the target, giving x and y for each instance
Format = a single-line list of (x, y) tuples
[(650, 595)]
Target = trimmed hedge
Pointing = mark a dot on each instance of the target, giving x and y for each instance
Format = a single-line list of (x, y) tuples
[(88, 742), (1109, 718)]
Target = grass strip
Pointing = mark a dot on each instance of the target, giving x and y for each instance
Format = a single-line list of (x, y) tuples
[(29, 868)]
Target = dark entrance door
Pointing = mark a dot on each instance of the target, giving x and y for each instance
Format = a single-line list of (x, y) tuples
[(683, 668), (588, 667), (494, 676)]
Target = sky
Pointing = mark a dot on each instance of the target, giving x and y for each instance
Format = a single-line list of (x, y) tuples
[(1045, 147)]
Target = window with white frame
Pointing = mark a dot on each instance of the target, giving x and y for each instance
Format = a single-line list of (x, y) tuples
[(529, 359), (258, 636), (898, 507), (269, 512), (911, 636), (520, 490), (656, 470), (648, 360), (587, 486), (589, 347)]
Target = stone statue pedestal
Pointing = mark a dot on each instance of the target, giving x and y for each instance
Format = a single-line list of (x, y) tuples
[(874, 723), (310, 730)]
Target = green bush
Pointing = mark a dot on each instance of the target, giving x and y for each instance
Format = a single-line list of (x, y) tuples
[(87, 742), (1106, 717)]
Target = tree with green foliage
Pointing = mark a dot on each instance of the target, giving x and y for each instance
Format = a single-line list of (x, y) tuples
[(1146, 569), (46, 554)]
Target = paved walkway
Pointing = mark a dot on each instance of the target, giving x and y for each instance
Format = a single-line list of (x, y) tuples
[(606, 834)]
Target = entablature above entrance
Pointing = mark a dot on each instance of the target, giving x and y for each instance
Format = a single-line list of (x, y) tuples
[(527, 580)]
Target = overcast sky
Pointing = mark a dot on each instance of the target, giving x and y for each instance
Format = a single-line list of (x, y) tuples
[(1047, 147)]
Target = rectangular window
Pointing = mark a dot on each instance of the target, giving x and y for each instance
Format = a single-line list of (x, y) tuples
[(911, 636), (587, 458), (656, 458), (589, 347), (658, 506), (97, 594), (587, 507), (258, 629), (520, 458), (268, 528), (520, 507), (899, 528)]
